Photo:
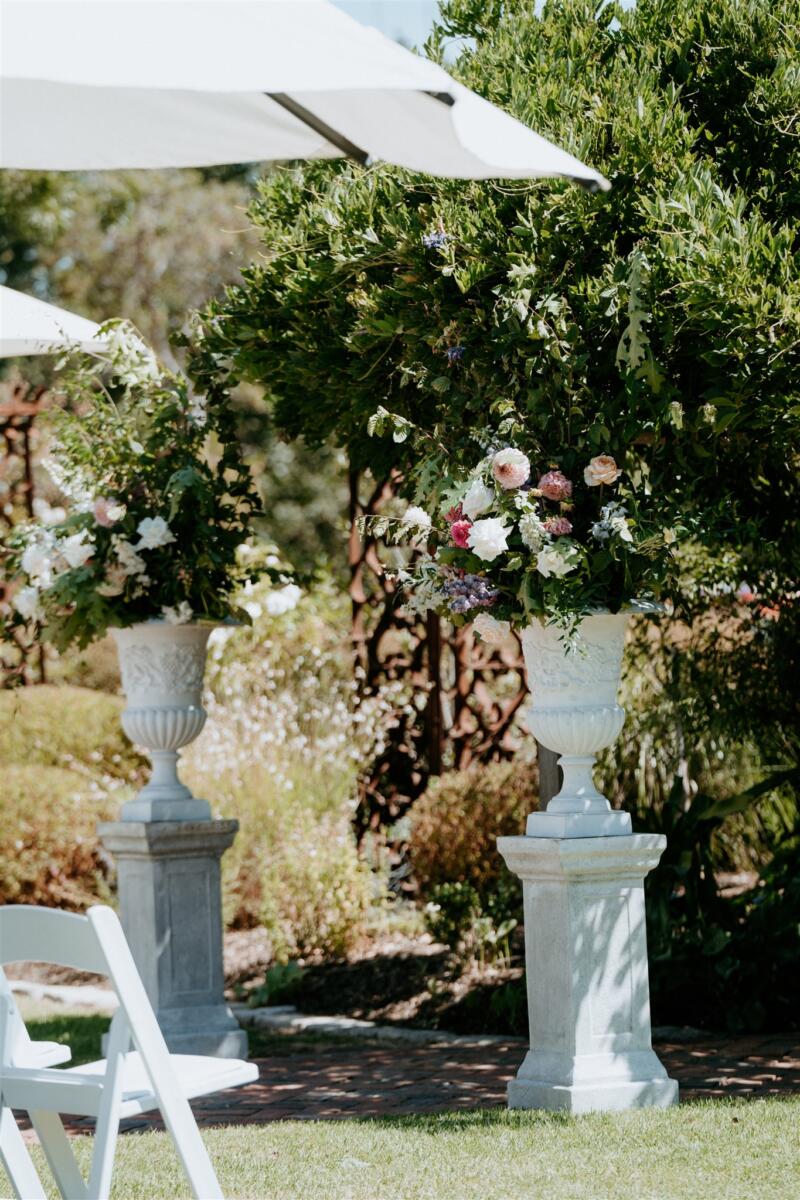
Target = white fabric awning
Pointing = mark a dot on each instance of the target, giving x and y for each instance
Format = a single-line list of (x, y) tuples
[(95, 84), (29, 326)]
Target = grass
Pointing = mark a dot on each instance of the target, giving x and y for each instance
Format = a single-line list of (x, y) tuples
[(717, 1150)]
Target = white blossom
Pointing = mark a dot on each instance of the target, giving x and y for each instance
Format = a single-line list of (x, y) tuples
[(479, 499), (37, 560), (556, 560), (153, 533), (489, 538), (26, 602), (179, 615), (490, 630), (416, 518), (532, 531), (114, 582), (76, 549), (613, 522), (133, 361), (130, 562), (283, 600)]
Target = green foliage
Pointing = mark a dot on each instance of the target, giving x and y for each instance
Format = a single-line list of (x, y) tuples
[(455, 824), (280, 986), (140, 458), (81, 1031), (34, 208), (49, 853), (281, 752), (65, 765), (456, 915), (657, 322), (66, 727)]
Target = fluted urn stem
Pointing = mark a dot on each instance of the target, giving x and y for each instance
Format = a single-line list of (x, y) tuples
[(162, 669)]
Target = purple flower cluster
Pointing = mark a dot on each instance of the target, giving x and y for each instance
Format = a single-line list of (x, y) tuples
[(454, 354), (468, 592), (435, 240)]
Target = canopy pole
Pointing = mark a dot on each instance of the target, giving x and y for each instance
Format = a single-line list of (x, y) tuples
[(350, 149)]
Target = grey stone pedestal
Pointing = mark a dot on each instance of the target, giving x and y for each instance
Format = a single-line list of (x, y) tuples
[(170, 907), (586, 966)]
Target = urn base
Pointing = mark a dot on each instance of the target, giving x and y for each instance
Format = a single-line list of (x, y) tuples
[(592, 1097), (578, 825), (155, 808)]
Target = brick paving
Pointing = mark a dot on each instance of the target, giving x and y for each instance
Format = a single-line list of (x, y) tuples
[(340, 1081)]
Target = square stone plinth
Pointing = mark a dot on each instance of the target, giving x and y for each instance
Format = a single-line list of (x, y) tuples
[(170, 906), (586, 969)]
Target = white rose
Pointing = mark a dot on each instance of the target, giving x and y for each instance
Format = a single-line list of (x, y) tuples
[(37, 563), (416, 518), (179, 615), (556, 560), (26, 602), (153, 532), (77, 549), (602, 469), (488, 538), (130, 562), (490, 630), (479, 499)]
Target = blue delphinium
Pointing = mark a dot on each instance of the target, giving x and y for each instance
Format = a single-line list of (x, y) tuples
[(454, 354), (468, 592), (435, 240)]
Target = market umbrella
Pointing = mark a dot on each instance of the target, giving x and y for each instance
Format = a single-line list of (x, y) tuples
[(95, 84), (29, 326)]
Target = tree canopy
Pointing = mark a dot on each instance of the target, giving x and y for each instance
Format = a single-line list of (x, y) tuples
[(659, 323)]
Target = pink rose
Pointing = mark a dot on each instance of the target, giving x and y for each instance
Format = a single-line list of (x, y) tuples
[(558, 526), (459, 532), (108, 512), (555, 486), (510, 468), (601, 469)]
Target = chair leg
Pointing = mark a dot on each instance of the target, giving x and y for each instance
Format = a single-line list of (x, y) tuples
[(25, 1182), (58, 1151), (192, 1152), (107, 1127)]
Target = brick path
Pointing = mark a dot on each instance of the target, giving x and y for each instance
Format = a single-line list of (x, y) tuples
[(335, 1081)]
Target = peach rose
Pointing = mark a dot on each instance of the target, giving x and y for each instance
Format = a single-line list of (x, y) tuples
[(601, 469)]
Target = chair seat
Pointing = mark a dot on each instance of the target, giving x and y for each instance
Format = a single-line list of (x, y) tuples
[(78, 1090), (46, 1054)]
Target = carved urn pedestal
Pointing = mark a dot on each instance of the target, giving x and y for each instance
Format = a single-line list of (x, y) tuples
[(582, 873), (168, 848)]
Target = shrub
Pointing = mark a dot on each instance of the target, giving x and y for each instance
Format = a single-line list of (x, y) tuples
[(49, 853), (282, 752), (455, 824), (65, 727)]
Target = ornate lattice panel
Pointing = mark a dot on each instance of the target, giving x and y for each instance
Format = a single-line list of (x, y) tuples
[(458, 699), (19, 407)]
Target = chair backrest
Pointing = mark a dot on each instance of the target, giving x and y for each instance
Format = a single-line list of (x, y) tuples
[(30, 934), (94, 942)]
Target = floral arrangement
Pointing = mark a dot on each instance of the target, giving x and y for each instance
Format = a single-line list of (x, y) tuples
[(510, 541), (159, 504)]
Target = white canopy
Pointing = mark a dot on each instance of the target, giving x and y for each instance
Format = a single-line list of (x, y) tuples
[(94, 84), (29, 326)]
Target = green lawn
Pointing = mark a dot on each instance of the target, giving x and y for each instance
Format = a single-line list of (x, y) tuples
[(727, 1150), (711, 1150)]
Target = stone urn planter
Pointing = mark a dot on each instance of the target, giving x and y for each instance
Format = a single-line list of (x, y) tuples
[(162, 668), (574, 712)]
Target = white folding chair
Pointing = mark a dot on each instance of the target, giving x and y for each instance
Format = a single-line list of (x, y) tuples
[(24, 1053), (124, 1084)]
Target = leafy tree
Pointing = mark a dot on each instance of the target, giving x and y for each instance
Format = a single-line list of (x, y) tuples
[(659, 322)]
